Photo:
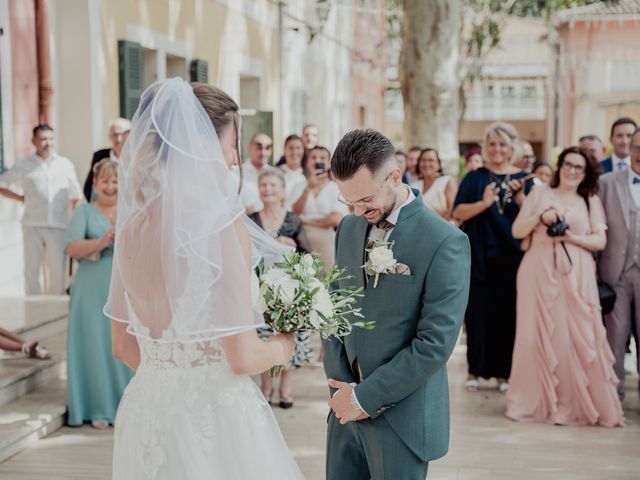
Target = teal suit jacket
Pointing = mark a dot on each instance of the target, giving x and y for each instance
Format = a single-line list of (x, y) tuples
[(417, 322)]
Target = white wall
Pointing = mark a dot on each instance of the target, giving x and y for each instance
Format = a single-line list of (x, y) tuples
[(317, 75)]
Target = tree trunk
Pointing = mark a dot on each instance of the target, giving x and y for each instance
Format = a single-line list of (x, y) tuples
[(430, 76)]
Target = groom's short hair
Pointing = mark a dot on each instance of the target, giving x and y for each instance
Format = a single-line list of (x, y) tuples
[(360, 148)]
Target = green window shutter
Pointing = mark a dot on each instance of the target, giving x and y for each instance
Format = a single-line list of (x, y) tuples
[(199, 71), (131, 75), (255, 122)]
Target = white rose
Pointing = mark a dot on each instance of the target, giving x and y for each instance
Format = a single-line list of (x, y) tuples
[(305, 268), (287, 290), (381, 258), (274, 276), (314, 319), (322, 302)]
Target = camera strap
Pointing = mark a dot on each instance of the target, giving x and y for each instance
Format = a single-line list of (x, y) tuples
[(555, 259)]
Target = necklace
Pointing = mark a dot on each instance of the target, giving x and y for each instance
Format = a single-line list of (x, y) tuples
[(503, 185)]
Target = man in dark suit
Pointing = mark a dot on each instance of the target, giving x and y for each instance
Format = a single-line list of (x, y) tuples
[(621, 132), (118, 132)]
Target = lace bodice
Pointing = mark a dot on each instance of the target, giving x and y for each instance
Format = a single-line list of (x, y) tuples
[(166, 355)]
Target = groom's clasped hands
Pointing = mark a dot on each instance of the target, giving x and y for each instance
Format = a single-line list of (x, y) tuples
[(343, 403)]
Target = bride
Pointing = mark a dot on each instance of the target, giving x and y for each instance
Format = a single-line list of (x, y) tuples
[(183, 299)]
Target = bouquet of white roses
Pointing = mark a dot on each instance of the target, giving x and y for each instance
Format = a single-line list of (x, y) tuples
[(296, 295)]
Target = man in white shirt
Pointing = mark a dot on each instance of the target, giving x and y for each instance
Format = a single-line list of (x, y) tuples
[(49, 185), (621, 132), (260, 149)]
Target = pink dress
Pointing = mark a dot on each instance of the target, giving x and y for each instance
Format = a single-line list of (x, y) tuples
[(562, 369)]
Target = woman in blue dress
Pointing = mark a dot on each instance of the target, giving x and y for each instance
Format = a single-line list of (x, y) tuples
[(488, 202), (96, 380)]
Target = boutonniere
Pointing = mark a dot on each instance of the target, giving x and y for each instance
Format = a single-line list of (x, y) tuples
[(380, 260)]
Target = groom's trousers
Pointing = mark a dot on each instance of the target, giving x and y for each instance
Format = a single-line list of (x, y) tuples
[(369, 449)]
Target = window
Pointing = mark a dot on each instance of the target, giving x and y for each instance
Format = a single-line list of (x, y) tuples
[(508, 91), (131, 76), (529, 91), (176, 67)]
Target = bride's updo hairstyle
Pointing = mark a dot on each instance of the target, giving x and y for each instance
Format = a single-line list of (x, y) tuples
[(222, 111)]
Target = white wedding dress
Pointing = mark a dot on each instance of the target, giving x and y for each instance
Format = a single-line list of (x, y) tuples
[(205, 422), (181, 282)]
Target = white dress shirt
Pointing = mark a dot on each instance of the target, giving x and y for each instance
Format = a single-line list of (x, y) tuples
[(294, 184), (620, 163), (48, 186), (634, 188), (325, 203)]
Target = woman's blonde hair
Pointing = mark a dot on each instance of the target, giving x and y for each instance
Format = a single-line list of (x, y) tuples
[(105, 168), (507, 132)]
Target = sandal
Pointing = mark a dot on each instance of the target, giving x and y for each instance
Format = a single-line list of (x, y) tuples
[(100, 424), (32, 350), (472, 385)]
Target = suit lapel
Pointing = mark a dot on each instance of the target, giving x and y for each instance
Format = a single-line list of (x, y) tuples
[(360, 245), (622, 190)]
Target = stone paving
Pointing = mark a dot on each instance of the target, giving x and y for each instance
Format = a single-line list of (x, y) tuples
[(484, 444)]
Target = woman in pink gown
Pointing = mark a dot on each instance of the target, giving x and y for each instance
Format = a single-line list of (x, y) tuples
[(562, 365)]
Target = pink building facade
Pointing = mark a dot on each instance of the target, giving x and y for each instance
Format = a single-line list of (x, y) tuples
[(596, 71), (370, 58)]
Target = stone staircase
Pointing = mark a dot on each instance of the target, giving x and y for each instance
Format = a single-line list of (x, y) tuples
[(32, 392)]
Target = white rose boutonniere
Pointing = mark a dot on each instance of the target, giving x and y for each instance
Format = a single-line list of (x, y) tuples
[(380, 260)]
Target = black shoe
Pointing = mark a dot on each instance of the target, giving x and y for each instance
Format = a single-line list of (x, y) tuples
[(286, 403)]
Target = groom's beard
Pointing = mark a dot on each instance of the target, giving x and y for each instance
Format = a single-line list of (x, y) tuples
[(384, 212)]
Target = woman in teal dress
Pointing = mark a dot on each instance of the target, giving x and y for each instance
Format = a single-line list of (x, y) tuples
[(96, 380)]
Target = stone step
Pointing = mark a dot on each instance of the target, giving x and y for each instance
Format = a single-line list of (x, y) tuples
[(34, 318), (31, 417), (20, 375)]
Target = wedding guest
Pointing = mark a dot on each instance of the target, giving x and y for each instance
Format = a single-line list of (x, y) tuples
[(118, 132), (288, 229), (96, 380), (401, 158), (543, 172), (412, 164), (318, 206), (562, 370), (438, 190), (619, 263), (594, 145), (473, 159), (620, 138), (260, 148), (294, 178), (50, 186), (526, 158), (488, 202), (13, 343), (310, 136)]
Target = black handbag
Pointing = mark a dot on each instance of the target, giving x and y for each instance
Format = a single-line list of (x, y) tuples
[(607, 297), (606, 293)]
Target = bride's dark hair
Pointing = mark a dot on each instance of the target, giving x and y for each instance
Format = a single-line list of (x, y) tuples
[(222, 110)]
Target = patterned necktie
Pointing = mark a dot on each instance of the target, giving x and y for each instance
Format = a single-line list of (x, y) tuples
[(382, 228), (636, 180)]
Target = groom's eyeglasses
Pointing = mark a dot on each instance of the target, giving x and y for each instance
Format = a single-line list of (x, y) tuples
[(365, 201)]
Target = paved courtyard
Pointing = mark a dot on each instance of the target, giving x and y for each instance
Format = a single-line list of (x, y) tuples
[(484, 444)]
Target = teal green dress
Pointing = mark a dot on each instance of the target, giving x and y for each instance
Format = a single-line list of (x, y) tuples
[(95, 379)]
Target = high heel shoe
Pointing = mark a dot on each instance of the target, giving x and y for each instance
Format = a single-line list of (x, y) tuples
[(286, 401)]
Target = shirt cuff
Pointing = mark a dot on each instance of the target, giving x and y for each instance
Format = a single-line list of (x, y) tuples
[(355, 399)]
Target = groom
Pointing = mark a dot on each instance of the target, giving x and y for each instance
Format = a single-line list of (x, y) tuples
[(390, 397)]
